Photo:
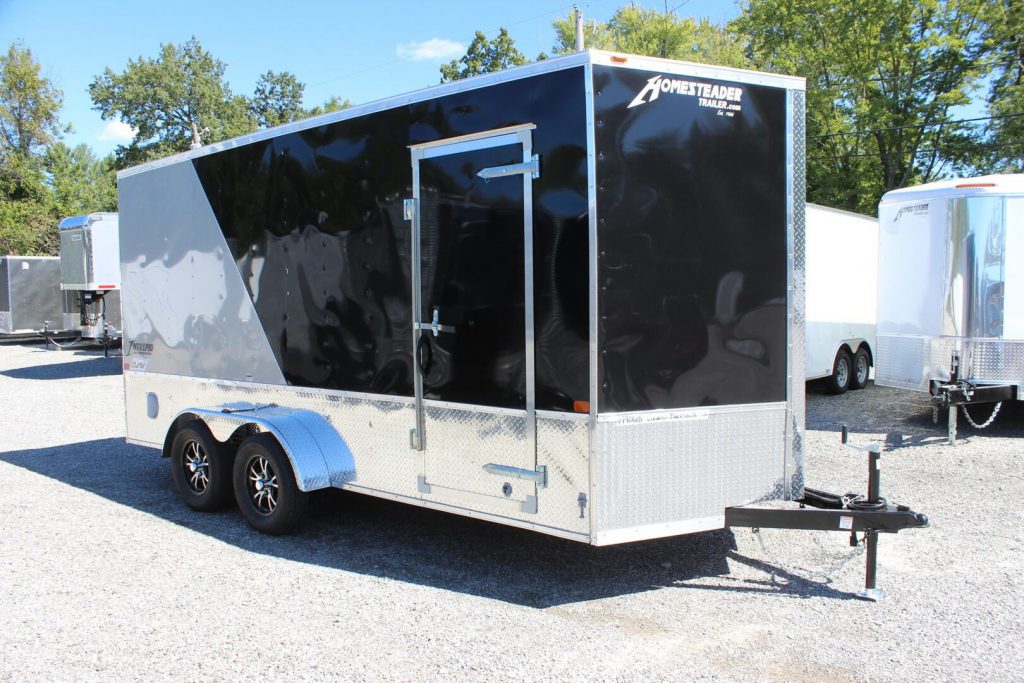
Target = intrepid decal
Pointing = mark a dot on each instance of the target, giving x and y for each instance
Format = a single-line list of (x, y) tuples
[(723, 97), (140, 348)]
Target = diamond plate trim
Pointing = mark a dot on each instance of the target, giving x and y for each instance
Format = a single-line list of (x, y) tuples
[(793, 484), (909, 362), (376, 431), (460, 442), (686, 466)]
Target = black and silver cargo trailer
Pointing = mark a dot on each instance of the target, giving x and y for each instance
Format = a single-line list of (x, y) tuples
[(566, 297)]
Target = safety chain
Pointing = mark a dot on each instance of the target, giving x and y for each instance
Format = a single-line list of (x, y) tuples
[(71, 344), (825, 574), (986, 423)]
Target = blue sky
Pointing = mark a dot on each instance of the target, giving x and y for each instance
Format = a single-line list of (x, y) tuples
[(361, 51)]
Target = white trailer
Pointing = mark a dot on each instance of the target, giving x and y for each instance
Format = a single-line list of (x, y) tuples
[(951, 291), (842, 276), (90, 272)]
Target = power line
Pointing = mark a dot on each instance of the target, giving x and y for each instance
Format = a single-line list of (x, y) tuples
[(491, 32), (924, 150), (914, 125)]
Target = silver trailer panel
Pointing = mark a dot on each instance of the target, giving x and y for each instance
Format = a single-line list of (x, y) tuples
[(30, 296), (89, 255)]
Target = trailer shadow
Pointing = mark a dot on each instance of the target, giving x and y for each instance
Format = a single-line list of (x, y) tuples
[(76, 369), (372, 536)]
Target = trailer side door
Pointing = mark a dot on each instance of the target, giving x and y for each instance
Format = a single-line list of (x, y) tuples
[(472, 312)]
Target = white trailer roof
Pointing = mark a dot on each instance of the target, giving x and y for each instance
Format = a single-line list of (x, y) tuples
[(959, 187)]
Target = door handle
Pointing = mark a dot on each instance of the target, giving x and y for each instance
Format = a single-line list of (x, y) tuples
[(434, 325), (424, 354)]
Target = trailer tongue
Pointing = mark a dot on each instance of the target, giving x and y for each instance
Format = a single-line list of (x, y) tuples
[(867, 515)]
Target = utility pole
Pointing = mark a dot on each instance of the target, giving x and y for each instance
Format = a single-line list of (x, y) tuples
[(578, 14)]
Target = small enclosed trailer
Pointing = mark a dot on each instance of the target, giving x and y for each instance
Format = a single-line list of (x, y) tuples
[(566, 297), (842, 277), (90, 267), (30, 296), (951, 291)]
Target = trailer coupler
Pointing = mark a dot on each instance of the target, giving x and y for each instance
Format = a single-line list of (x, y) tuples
[(959, 393), (820, 511)]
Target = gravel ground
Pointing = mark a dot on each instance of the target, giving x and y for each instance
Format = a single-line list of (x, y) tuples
[(105, 575)]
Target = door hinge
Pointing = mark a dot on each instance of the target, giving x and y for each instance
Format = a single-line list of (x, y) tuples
[(408, 209), (532, 167)]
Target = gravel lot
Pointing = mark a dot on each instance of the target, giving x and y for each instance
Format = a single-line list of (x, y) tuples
[(105, 575)]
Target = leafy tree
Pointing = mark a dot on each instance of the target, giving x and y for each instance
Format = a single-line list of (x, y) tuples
[(173, 101), (637, 30), (882, 75), (277, 100), (27, 228), (484, 56), (335, 103), (29, 103), (80, 182), (29, 120), (1006, 98)]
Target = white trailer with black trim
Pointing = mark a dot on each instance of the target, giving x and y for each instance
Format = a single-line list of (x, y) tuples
[(566, 297), (842, 280), (951, 292)]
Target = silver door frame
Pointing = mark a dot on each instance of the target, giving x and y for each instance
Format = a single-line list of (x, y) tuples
[(500, 137)]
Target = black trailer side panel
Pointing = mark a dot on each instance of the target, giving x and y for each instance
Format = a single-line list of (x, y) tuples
[(692, 238), (314, 219)]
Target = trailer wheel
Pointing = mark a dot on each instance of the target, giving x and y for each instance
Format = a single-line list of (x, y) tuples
[(265, 487), (201, 468), (842, 373), (861, 369)]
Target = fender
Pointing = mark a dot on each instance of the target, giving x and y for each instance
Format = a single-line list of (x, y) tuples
[(319, 456)]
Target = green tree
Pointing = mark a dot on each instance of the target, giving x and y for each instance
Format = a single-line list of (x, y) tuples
[(641, 31), (484, 56), (173, 101), (80, 182), (29, 120), (277, 99), (334, 103), (1006, 98), (883, 77), (27, 228)]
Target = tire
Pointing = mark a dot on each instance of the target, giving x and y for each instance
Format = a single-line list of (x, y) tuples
[(201, 468), (265, 487), (861, 369), (842, 372)]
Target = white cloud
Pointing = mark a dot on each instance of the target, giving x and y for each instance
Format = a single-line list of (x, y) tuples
[(116, 131), (425, 50)]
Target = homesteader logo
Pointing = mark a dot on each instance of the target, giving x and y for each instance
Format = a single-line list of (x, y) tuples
[(916, 209), (714, 96)]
